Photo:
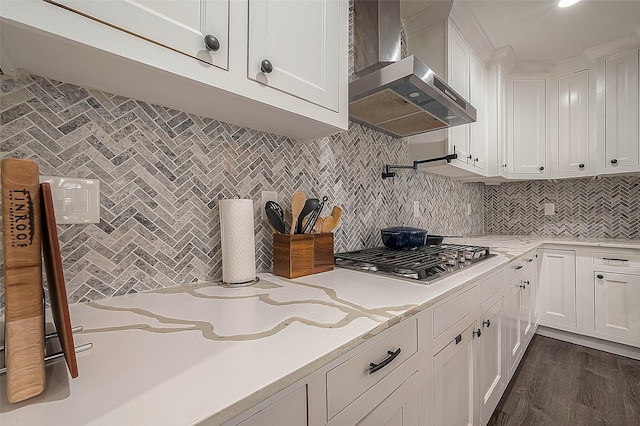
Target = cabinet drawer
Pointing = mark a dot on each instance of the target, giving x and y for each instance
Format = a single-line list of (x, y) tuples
[(352, 378), (628, 259), (521, 265), (490, 286), (452, 311)]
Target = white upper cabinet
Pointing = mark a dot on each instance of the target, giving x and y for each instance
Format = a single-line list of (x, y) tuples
[(458, 78), (178, 25), (621, 112), (573, 123), (528, 126), (293, 45), (478, 98), (204, 57)]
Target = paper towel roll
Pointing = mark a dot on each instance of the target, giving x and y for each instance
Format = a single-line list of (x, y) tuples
[(238, 241)]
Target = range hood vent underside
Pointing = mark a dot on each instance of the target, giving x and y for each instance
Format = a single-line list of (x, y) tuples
[(391, 112)]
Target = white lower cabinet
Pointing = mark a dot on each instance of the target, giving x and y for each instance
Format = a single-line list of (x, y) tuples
[(520, 315), (290, 410), (453, 375), (616, 304), (491, 357), (557, 287), (399, 409)]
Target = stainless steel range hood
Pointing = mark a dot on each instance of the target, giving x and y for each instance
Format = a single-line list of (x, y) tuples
[(398, 97)]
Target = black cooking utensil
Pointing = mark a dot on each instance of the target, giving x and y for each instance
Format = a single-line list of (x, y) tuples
[(313, 217), (309, 206), (275, 214)]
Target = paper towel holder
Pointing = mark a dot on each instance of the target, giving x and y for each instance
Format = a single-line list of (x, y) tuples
[(244, 284)]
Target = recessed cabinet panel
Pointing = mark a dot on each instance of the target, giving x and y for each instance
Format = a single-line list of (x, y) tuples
[(492, 377), (617, 310), (621, 111), (290, 410), (557, 287), (528, 138), (478, 98), (180, 25), (299, 39), (459, 80), (453, 381), (573, 122)]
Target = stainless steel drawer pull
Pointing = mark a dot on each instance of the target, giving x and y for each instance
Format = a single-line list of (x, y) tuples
[(375, 367), (614, 259)]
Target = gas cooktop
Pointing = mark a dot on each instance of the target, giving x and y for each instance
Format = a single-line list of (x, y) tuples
[(425, 264)]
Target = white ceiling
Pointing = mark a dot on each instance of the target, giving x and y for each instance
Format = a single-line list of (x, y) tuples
[(538, 30)]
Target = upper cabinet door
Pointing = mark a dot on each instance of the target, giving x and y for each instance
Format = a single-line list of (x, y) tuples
[(621, 111), (528, 137), (458, 74), (573, 122), (478, 98), (180, 25), (293, 47)]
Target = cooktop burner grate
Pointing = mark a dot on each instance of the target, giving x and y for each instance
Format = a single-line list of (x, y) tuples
[(424, 263)]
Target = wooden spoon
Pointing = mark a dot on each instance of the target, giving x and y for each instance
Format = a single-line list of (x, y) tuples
[(327, 225), (318, 227), (297, 204), (336, 213)]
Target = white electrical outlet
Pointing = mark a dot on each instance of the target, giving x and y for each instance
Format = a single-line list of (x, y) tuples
[(416, 208), (549, 209), (468, 209), (75, 200), (267, 196)]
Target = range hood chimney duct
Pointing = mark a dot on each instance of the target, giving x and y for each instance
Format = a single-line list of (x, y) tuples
[(399, 97)]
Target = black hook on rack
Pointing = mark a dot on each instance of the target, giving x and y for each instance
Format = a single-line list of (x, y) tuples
[(389, 174)]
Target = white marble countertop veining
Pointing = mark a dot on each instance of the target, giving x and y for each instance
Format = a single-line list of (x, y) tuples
[(180, 355)]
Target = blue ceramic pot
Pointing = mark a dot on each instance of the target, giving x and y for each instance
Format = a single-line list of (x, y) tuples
[(403, 237)]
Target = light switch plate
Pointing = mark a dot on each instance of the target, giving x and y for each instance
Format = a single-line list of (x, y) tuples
[(75, 200), (549, 209), (416, 208)]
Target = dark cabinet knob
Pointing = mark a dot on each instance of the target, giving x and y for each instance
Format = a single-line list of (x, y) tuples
[(469, 157), (600, 276), (541, 168), (581, 165), (486, 323), (477, 333), (211, 43), (522, 286), (526, 282), (476, 160), (614, 161), (266, 66)]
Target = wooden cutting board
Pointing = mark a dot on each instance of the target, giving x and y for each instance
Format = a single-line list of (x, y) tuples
[(24, 303), (55, 279)]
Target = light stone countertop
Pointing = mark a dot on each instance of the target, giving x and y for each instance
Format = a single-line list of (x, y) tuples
[(180, 355)]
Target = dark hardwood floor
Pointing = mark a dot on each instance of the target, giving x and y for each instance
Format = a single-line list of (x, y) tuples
[(559, 383)]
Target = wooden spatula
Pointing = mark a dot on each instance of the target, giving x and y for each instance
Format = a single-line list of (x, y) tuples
[(24, 306), (327, 225), (318, 226), (336, 213), (297, 204)]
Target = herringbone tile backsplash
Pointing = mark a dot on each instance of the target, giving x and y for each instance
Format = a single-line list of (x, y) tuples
[(593, 208), (163, 171)]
